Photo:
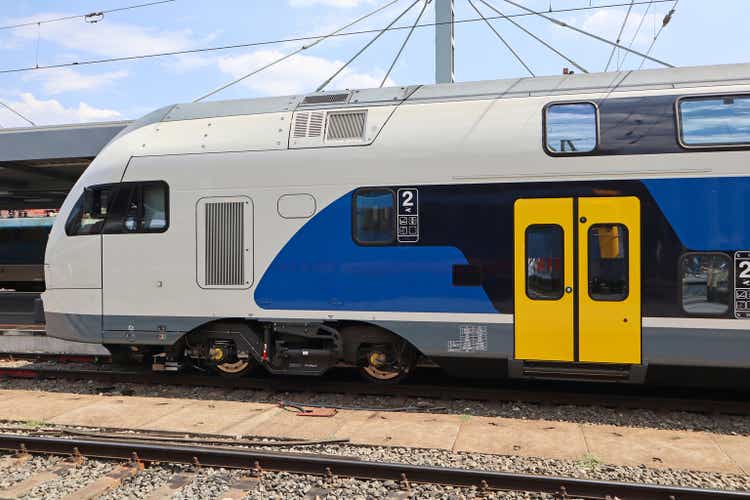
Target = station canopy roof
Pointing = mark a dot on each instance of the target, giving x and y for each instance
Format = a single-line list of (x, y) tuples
[(39, 165)]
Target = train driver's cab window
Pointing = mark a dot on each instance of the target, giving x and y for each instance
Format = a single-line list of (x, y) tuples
[(544, 262), (90, 211), (139, 207), (714, 121), (608, 262), (570, 128), (705, 283), (374, 220)]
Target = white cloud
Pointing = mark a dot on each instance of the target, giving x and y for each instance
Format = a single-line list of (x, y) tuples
[(51, 111), (329, 3), (107, 38), (607, 23), (297, 74), (63, 80)]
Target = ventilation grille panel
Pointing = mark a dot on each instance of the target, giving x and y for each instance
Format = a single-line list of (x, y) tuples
[(225, 244), (346, 125), (325, 99), (308, 124)]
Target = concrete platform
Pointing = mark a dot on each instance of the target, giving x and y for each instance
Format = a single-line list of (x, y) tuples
[(25, 342), (700, 451)]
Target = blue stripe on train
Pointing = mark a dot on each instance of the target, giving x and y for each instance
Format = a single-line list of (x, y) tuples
[(706, 213), (321, 268)]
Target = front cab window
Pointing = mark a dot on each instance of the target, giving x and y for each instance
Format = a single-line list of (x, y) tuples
[(90, 211)]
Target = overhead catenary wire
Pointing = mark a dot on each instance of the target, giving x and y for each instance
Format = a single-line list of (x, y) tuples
[(664, 24), (619, 36), (637, 31), (591, 35), (84, 16), (507, 45), (310, 37), (17, 113), (367, 45), (295, 52), (535, 37), (403, 45)]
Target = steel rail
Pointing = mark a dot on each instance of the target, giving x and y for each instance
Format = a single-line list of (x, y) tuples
[(541, 395), (327, 465)]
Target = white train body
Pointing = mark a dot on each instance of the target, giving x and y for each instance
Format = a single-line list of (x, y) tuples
[(285, 161)]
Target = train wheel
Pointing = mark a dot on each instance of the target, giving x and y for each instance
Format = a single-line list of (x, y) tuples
[(388, 364), (238, 368)]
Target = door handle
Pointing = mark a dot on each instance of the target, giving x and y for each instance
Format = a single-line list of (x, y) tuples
[(568, 289)]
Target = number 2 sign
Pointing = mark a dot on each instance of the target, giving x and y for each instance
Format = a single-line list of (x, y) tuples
[(742, 284), (408, 215)]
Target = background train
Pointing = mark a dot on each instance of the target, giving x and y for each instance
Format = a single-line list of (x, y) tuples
[(580, 226)]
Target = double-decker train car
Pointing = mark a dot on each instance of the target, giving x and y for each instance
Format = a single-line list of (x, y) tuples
[(578, 226)]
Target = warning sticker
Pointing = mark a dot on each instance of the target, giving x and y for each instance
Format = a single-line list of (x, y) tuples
[(742, 284), (471, 338)]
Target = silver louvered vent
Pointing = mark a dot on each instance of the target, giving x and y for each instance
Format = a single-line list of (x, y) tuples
[(225, 261), (325, 99), (308, 124), (346, 125)]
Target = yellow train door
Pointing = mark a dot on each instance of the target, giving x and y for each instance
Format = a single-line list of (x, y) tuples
[(544, 279), (578, 280), (609, 295)]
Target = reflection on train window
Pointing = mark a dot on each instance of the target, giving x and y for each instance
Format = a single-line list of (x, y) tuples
[(608, 262), (715, 121), (705, 283), (544, 262), (90, 211), (571, 128), (374, 216)]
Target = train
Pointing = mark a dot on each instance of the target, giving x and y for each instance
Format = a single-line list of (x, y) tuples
[(582, 226), (23, 238)]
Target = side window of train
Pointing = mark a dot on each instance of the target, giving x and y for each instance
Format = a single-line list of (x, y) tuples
[(139, 207), (570, 128), (714, 121), (90, 211), (374, 216), (706, 283)]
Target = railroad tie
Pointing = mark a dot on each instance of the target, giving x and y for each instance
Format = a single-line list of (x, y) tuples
[(20, 489), (14, 461), (104, 484), (240, 487), (173, 485)]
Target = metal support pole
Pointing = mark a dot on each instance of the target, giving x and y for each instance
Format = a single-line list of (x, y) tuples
[(444, 41)]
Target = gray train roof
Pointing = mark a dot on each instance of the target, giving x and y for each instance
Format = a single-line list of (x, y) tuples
[(58, 142), (622, 81)]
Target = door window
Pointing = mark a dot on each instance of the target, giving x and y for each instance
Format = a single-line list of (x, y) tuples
[(544, 262), (608, 262), (374, 217)]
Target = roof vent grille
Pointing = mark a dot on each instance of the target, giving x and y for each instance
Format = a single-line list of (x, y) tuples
[(346, 125), (308, 124), (325, 99)]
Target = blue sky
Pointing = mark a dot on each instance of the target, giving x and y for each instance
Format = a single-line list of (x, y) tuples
[(701, 32)]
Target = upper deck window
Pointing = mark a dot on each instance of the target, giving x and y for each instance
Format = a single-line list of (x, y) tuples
[(570, 128), (714, 121)]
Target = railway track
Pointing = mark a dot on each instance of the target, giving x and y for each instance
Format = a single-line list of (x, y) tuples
[(135, 455), (554, 394)]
